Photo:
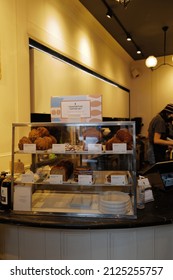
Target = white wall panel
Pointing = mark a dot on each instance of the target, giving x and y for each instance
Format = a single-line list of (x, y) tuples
[(123, 244), (9, 242), (163, 243), (145, 243), (29, 243), (52, 244), (76, 245), (100, 248)]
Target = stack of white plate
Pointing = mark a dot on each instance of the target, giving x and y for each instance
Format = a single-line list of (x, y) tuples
[(114, 203)]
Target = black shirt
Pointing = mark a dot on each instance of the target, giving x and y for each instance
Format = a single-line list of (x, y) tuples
[(158, 125)]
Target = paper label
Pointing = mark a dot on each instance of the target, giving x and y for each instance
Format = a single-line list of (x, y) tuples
[(118, 179), (119, 147), (27, 178), (94, 147), (58, 148), (56, 179), (144, 182), (29, 148), (85, 179)]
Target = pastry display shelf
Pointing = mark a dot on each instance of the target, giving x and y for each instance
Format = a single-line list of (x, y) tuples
[(100, 178), (50, 151), (77, 173), (71, 183)]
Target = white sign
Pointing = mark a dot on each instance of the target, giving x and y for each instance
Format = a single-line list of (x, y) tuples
[(118, 180), (58, 148), (27, 178), (22, 198), (29, 148), (85, 179), (94, 147), (56, 179), (119, 147)]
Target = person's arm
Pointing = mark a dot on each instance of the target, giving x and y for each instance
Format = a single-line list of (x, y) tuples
[(157, 140)]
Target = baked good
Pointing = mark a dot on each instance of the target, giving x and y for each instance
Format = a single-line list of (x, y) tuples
[(34, 134), (92, 132), (48, 140), (82, 170), (109, 143), (54, 141), (73, 148), (63, 167), (124, 135), (43, 131), (124, 177), (39, 136), (22, 141), (41, 143)]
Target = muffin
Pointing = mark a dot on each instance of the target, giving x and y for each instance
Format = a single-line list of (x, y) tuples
[(22, 141)]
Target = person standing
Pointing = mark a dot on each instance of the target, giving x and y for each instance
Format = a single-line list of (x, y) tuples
[(158, 134)]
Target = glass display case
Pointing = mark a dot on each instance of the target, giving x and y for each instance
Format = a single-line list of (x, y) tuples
[(75, 169)]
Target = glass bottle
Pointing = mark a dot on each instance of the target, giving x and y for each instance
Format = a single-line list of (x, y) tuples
[(6, 193)]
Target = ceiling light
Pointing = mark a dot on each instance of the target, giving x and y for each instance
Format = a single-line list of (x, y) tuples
[(151, 61), (109, 13), (138, 51), (128, 38)]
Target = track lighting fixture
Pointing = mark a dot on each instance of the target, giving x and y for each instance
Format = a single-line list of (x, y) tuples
[(151, 61), (109, 13), (123, 2), (128, 38)]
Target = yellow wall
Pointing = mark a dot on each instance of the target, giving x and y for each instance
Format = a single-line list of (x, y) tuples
[(151, 91), (52, 77), (65, 26)]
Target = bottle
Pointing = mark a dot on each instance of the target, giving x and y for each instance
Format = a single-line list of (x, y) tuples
[(2, 177), (140, 196), (6, 193)]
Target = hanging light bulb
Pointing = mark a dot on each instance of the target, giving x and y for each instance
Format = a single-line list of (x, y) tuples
[(151, 61)]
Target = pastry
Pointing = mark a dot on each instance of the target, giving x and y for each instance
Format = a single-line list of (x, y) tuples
[(82, 170), (43, 131), (41, 143), (33, 134), (92, 132), (54, 141), (63, 167), (109, 143), (124, 135), (22, 141), (48, 141), (121, 136)]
